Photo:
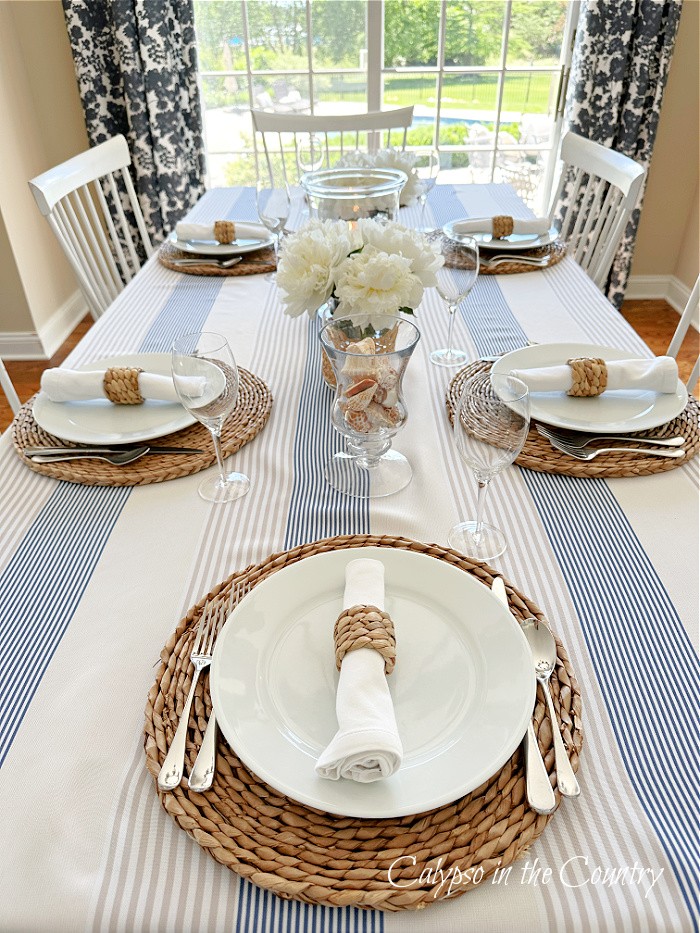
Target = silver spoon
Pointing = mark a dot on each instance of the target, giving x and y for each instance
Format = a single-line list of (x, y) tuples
[(121, 458), (544, 654)]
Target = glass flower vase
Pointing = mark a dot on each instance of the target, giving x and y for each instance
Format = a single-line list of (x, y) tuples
[(369, 360)]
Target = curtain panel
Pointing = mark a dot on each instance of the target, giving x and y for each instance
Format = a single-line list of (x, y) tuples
[(619, 70), (136, 64)]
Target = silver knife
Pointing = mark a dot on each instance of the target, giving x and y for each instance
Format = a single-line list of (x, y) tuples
[(540, 795), (63, 451)]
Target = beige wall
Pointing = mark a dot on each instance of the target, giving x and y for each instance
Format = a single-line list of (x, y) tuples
[(667, 242), (42, 124)]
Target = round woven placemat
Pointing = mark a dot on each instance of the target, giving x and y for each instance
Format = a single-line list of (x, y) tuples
[(303, 853), (553, 252), (262, 260), (538, 453), (248, 418)]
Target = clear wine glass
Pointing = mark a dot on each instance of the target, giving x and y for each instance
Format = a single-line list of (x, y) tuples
[(206, 380), (491, 422), (427, 168), (274, 205), (454, 282)]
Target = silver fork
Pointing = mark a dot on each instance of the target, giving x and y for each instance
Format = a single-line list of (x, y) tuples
[(580, 454), (174, 764), (202, 774), (579, 439)]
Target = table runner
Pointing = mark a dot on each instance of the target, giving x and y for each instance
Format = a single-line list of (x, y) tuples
[(592, 553)]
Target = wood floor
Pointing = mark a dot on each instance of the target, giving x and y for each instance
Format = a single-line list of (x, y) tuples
[(655, 322)]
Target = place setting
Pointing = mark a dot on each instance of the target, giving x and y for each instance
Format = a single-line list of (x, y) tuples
[(595, 410), (506, 245), (140, 418), (420, 719), (224, 247)]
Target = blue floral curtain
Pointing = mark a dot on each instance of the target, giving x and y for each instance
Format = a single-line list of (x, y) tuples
[(620, 65), (136, 64)]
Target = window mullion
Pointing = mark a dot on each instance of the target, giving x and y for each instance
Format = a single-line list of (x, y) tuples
[(375, 53), (501, 84), (309, 47), (441, 71)]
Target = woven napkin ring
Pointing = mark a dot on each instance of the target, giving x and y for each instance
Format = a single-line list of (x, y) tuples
[(365, 627), (121, 385), (502, 225), (224, 231), (589, 376)]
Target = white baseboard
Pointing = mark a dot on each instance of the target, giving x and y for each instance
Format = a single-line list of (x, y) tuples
[(667, 287), (30, 345)]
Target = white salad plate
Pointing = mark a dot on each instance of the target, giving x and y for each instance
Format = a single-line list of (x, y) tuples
[(514, 242), (613, 412), (463, 688), (211, 248), (98, 421)]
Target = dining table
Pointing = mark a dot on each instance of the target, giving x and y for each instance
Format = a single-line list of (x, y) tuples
[(94, 580)]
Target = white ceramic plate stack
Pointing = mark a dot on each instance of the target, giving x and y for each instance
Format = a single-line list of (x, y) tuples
[(98, 421), (613, 412), (463, 688), (239, 246)]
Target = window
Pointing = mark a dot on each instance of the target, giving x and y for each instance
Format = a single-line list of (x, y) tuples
[(486, 78)]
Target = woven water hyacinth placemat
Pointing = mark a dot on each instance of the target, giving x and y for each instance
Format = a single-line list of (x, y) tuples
[(538, 453), (248, 418), (303, 853), (261, 260), (455, 258)]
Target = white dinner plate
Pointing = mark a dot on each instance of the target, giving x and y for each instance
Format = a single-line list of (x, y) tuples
[(514, 242), (612, 412), (98, 421), (211, 248), (463, 687)]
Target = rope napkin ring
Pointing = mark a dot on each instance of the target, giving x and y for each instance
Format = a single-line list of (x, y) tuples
[(121, 385), (365, 627), (502, 226), (589, 376), (224, 231)]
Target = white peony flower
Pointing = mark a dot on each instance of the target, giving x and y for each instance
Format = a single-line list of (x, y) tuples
[(376, 283), (424, 256), (309, 261)]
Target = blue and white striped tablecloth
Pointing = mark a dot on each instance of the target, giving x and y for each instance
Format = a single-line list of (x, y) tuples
[(93, 580)]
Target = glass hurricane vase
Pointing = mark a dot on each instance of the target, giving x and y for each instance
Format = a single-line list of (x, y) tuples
[(369, 360)]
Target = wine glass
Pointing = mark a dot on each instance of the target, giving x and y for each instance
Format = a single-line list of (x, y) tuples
[(427, 168), (274, 204), (206, 380), (455, 280), (491, 422)]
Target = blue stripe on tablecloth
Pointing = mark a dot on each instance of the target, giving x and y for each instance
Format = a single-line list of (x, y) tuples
[(44, 581), (445, 205), (490, 320), (41, 587), (647, 668), (316, 509)]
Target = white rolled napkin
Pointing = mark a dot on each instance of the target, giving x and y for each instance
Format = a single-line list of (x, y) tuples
[(186, 231), (657, 375), (70, 385), (535, 225), (366, 746)]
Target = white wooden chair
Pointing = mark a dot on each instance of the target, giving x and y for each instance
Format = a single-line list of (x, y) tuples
[(319, 141), (91, 226), (605, 190), (9, 389), (689, 313)]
